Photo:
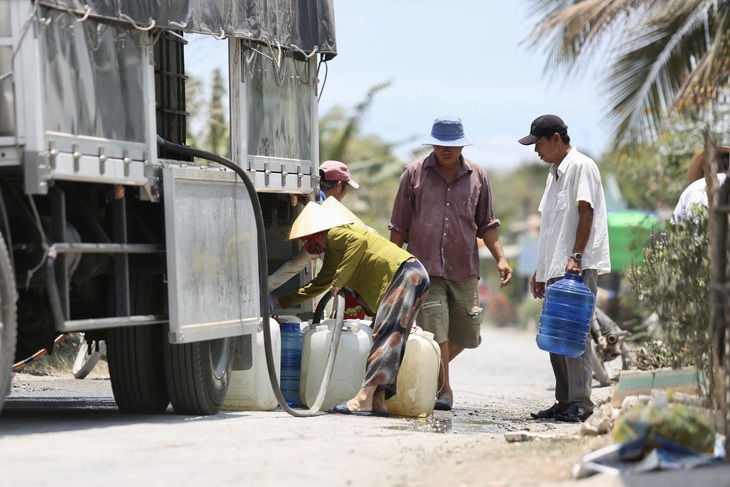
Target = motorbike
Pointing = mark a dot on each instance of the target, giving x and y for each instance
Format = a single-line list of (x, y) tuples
[(609, 351)]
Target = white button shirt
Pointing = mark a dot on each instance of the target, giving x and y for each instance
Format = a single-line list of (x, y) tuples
[(693, 197), (578, 180)]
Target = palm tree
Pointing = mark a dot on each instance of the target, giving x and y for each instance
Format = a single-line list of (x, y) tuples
[(665, 57)]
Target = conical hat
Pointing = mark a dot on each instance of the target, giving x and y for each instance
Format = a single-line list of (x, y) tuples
[(697, 167), (334, 205), (314, 218)]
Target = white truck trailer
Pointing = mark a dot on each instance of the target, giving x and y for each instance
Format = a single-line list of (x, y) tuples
[(105, 229)]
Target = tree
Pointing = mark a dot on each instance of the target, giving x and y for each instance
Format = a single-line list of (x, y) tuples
[(665, 56), (207, 127), (369, 158)]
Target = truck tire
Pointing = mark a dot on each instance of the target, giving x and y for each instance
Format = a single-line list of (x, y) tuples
[(9, 317), (136, 369), (198, 375)]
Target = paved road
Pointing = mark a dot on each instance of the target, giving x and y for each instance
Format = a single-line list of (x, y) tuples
[(58, 431)]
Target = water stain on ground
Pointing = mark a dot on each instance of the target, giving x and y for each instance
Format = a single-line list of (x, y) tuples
[(446, 424)]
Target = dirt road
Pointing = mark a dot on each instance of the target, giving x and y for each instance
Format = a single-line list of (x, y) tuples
[(60, 431)]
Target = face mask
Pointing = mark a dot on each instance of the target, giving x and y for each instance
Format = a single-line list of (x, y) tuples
[(313, 243)]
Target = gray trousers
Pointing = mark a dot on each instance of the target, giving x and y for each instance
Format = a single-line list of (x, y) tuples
[(574, 376)]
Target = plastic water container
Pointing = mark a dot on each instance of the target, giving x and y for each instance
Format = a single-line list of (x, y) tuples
[(349, 369), (418, 376), (566, 317), (292, 337), (250, 390)]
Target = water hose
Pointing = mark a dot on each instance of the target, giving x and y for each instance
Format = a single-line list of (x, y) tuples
[(40, 353), (264, 280)]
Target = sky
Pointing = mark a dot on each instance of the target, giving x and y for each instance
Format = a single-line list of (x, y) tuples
[(464, 58)]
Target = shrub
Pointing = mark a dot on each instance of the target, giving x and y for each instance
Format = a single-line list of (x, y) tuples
[(675, 281)]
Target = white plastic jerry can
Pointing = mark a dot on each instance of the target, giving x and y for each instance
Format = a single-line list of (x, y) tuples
[(250, 390), (349, 369), (417, 381)]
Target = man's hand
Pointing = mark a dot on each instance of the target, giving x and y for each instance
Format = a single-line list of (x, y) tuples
[(573, 266), (335, 291), (537, 288), (505, 272)]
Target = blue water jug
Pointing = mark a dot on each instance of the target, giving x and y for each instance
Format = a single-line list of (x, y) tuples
[(566, 317), (292, 338)]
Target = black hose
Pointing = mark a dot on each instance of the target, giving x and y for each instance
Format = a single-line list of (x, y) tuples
[(264, 280)]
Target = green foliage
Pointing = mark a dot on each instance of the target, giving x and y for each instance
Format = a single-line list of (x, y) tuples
[(656, 57), (207, 126), (675, 282), (517, 194), (654, 354), (654, 175), (370, 160)]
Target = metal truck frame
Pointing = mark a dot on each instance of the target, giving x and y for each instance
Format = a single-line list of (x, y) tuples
[(105, 231)]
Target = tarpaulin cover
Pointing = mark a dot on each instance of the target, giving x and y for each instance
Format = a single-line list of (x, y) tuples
[(628, 233), (305, 24)]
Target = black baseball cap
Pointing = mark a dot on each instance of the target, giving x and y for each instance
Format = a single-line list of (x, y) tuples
[(542, 126)]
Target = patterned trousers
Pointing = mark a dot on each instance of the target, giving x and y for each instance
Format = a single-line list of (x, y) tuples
[(392, 324)]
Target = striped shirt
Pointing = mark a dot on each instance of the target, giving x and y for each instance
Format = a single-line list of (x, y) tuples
[(357, 259)]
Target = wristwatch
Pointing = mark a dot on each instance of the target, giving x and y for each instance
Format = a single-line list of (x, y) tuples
[(576, 256)]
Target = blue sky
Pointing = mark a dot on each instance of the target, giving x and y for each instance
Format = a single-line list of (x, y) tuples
[(465, 58)]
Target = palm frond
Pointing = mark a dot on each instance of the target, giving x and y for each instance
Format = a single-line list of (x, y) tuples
[(661, 54)]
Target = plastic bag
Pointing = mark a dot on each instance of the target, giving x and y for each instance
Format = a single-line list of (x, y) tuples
[(657, 425)]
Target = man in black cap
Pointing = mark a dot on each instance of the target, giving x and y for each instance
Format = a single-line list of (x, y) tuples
[(573, 239)]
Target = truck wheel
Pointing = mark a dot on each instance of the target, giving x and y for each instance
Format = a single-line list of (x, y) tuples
[(198, 375), (9, 323), (136, 369)]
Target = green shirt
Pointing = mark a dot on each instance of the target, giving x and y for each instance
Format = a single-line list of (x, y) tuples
[(357, 259)]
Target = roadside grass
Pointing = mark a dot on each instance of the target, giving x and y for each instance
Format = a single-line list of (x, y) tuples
[(60, 360)]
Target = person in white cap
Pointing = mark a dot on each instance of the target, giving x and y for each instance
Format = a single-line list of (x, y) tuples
[(389, 279), (443, 204)]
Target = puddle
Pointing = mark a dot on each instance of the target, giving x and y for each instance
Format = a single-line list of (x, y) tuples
[(446, 424)]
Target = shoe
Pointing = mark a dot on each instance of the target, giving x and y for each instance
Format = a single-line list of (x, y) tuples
[(443, 404), (549, 412), (343, 409), (574, 414)]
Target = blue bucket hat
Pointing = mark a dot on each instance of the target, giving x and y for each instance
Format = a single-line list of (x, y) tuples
[(448, 132)]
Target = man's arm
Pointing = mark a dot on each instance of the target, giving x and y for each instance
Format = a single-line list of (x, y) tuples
[(397, 238), (582, 233), (491, 240)]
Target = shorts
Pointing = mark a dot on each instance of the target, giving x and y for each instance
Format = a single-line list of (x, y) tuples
[(458, 319)]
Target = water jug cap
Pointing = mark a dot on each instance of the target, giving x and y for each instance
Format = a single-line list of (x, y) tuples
[(573, 277), (289, 319), (322, 328)]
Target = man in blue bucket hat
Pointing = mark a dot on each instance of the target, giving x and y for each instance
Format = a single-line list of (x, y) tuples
[(573, 239), (443, 204)]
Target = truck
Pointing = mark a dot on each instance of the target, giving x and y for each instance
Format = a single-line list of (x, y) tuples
[(108, 227)]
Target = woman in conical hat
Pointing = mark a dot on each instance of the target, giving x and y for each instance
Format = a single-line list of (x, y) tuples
[(334, 205), (385, 276), (295, 265)]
